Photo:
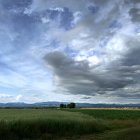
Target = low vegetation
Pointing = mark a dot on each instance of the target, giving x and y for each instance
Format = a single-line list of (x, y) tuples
[(77, 124), (124, 123), (110, 114), (41, 123)]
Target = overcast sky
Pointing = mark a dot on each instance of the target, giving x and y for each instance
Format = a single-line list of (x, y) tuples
[(70, 50)]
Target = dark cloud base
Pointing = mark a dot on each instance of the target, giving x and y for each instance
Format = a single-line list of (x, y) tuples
[(79, 78)]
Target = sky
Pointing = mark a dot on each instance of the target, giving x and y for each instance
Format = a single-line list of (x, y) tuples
[(70, 51)]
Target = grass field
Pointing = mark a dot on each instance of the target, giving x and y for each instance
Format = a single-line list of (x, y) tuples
[(110, 114), (124, 123), (80, 124)]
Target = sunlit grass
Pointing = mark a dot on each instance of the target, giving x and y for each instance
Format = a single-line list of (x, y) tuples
[(52, 124), (34, 123), (110, 114)]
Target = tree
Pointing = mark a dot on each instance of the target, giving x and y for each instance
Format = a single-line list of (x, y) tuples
[(62, 106), (71, 105)]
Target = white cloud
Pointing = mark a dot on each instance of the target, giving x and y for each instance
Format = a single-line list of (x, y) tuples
[(102, 37), (4, 98), (18, 98)]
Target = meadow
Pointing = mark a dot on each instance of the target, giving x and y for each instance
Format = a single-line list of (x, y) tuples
[(63, 124)]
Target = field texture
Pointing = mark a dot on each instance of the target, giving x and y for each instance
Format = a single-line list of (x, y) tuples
[(80, 124)]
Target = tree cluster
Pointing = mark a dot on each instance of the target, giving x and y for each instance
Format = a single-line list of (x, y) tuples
[(70, 105)]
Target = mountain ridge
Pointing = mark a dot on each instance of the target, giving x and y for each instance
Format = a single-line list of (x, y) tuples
[(56, 104)]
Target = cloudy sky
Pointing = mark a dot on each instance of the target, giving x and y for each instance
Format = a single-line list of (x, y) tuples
[(70, 50)]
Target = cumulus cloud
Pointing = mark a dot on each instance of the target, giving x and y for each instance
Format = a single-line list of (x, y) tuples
[(108, 50), (91, 48), (79, 78)]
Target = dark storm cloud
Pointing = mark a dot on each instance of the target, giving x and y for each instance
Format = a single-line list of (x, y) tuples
[(135, 14), (72, 75), (79, 78), (130, 63), (132, 58), (86, 98)]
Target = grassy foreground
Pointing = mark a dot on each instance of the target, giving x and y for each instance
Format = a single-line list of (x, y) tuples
[(124, 123), (76, 124), (44, 123)]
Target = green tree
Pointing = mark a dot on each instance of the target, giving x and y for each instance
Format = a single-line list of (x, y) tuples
[(71, 105), (63, 106)]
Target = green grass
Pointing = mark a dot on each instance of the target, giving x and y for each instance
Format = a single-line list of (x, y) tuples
[(125, 134), (110, 114), (39, 123), (124, 124), (76, 124)]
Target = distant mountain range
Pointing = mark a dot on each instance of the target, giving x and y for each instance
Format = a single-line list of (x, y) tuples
[(56, 104)]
